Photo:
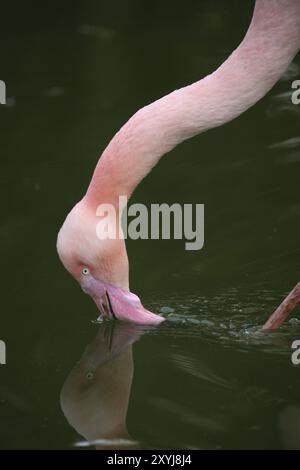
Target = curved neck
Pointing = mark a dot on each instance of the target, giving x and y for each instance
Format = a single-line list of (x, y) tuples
[(272, 41)]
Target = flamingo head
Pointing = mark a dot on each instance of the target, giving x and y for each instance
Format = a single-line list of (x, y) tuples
[(100, 267)]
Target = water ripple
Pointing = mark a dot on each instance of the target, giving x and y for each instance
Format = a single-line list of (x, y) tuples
[(232, 318)]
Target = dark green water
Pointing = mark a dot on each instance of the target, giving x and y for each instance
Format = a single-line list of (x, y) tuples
[(205, 378)]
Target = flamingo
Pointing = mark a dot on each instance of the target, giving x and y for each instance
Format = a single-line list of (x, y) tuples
[(101, 266), (96, 393)]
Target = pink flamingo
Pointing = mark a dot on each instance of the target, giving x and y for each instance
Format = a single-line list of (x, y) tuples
[(101, 267)]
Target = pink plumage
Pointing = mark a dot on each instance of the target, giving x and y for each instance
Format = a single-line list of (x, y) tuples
[(272, 40)]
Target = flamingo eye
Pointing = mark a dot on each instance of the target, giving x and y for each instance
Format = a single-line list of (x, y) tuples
[(85, 271)]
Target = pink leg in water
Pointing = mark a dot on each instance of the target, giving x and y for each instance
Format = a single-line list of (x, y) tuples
[(284, 309)]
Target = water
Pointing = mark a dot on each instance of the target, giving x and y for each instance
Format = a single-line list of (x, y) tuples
[(206, 378)]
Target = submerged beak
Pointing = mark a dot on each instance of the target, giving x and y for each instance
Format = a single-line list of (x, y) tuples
[(119, 304), (105, 306)]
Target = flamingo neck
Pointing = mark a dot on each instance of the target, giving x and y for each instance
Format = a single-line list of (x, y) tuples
[(271, 42)]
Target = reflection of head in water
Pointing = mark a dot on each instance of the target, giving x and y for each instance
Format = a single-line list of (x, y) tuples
[(95, 395)]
